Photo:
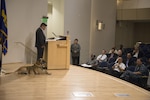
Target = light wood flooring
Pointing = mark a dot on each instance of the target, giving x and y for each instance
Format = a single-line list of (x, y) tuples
[(77, 83)]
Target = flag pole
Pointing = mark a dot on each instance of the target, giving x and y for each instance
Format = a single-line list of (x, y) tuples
[(0, 55), (0, 51)]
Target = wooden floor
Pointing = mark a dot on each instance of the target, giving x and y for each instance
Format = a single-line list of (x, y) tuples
[(74, 84)]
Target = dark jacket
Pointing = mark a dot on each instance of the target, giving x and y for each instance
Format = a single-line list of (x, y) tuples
[(75, 50), (40, 38), (131, 61), (113, 59), (143, 69)]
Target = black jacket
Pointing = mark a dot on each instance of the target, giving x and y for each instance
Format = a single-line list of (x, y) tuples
[(40, 38)]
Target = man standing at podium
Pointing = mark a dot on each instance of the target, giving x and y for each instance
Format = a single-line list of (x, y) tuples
[(75, 52), (40, 40)]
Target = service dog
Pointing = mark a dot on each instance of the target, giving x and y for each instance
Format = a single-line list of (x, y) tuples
[(40, 67)]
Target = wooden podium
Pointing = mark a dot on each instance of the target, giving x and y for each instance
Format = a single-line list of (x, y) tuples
[(58, 54)]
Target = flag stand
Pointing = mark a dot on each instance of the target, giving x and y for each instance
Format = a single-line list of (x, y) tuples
[(1, 70)]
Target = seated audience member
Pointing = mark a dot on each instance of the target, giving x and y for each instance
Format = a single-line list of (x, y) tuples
[(129, 61), (148, 64), (134, 77), (137, 53), (92, 63), (137, 44), (112, 56), (119, 54), (114, 50), (121, 48), (102, 57), (118, 68)]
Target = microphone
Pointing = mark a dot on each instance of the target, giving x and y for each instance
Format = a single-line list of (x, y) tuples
[(54, 34)]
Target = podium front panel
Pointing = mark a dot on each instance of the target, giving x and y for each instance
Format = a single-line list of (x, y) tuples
[(58, 54)]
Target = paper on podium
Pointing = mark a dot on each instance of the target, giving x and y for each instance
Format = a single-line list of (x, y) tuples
[(86, 65), (59, 37), (55, 39)]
